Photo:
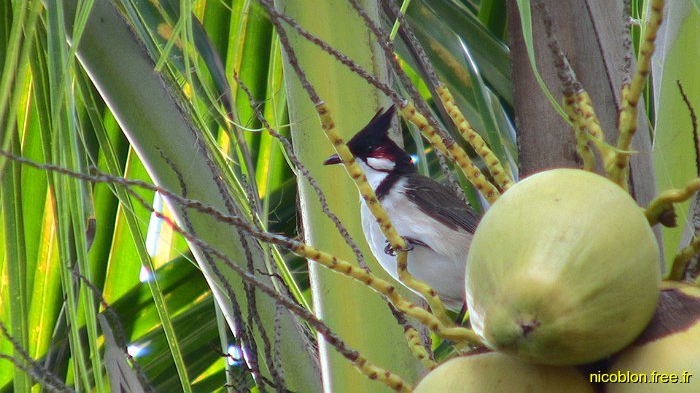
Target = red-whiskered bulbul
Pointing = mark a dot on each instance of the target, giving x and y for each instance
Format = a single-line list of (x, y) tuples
[(436, 224)]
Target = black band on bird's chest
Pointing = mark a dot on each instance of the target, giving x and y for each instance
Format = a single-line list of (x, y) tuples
[(386, 185)]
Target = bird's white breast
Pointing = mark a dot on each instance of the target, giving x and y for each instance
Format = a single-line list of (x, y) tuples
[(441, 264)]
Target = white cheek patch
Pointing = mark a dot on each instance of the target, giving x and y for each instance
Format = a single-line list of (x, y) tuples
[(380, 164)]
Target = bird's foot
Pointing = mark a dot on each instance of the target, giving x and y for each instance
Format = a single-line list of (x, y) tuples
[(410, 245)]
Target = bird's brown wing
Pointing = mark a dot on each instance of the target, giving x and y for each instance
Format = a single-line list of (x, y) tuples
[(435, 199)]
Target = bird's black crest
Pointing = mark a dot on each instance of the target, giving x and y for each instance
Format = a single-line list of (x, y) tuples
[(374, 134), (373, 141)]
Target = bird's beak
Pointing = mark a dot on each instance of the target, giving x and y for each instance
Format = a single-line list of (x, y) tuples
[(332, 160)]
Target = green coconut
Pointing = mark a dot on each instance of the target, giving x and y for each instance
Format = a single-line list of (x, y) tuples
[(666, 356), (495, 372), (563, 269)]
